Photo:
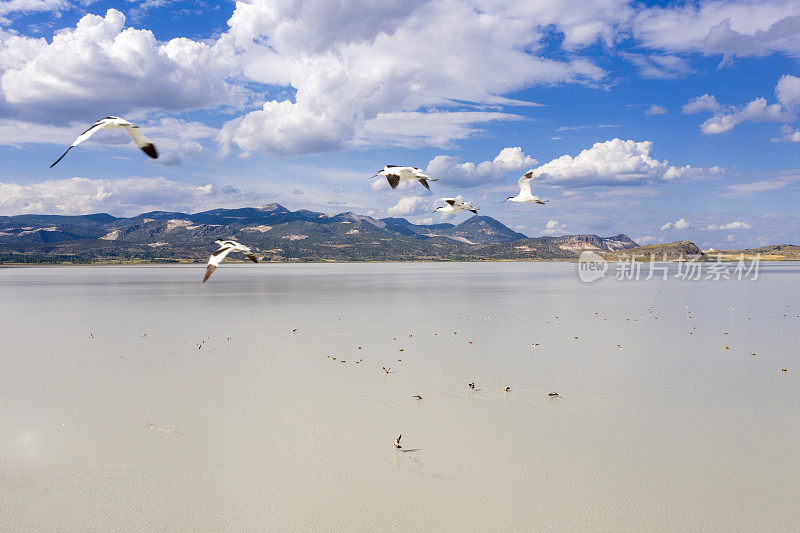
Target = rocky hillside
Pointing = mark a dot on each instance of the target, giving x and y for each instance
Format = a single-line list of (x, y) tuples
[(660, 252), (566, 247), (277, 234)]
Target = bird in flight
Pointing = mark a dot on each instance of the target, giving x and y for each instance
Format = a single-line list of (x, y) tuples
[(525, 194), (456, 205), (226, 246), (113, 123), (395, 174), (397, 442)]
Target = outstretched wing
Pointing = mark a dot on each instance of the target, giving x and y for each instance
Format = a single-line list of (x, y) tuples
[(85, 135), (209, 270), (525, 183), (142, 141), (393, 179), (217, 257)]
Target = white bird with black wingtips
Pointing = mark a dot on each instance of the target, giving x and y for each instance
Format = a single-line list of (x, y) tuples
[(226, 246), (525, 194), (395, 174), (456, 205), (397, 442), (113, 123)]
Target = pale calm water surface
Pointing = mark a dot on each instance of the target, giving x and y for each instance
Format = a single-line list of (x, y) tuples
[(112, 418)]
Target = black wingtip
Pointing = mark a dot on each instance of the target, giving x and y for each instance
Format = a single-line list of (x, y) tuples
[(150, 150), (474, 211), (425, 183), (62, 157)]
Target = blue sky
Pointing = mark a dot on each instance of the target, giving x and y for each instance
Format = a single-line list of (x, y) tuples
[(666, 121)]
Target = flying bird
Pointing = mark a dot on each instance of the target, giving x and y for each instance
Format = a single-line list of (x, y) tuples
[(525, 194), (456, 205), (113, 123), (395, 174), (397, 442), (226, 247)]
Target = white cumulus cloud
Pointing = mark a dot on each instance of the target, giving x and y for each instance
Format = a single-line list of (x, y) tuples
[(361, 61), (408, 205), (737, 224), (553, 227), (727, 117), (707, 102), (614, 162), (730, 27), (102, 64), (756, 111), (656, 110), (469, 174), (788, 90), (788, 134), (682, 223)]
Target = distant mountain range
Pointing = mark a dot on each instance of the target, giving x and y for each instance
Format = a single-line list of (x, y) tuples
[(277, 234)]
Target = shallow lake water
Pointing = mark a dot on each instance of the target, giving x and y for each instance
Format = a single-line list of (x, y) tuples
[(137, 398)]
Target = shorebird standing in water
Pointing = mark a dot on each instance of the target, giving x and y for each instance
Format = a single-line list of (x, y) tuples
[(112, 123), (472, 385), (395, 174), (226, 246), (397, 442), (386, 369), (417, 396), (525, 194)]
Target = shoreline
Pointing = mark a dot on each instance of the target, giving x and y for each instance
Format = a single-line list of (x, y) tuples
[(726, 259)]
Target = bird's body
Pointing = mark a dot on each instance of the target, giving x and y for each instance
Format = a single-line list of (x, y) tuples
[(472, 385), (525, 194), (417, 396), (394, 174), (113, 123), (397, 442), (226, 246), (456, 205)]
